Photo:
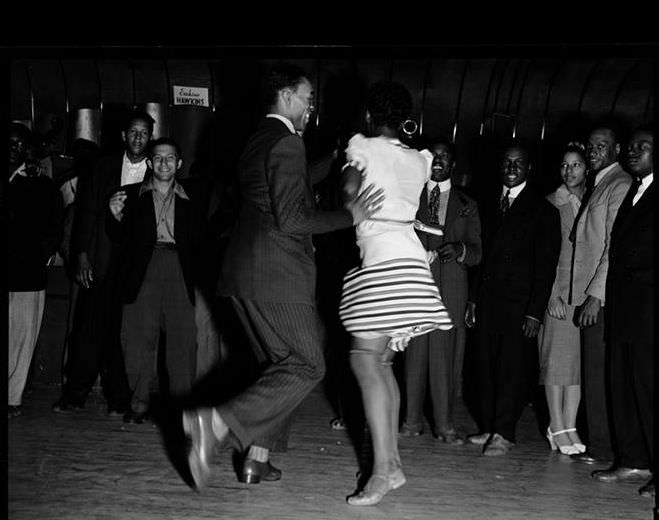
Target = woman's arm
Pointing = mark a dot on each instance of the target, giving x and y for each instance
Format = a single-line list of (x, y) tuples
[(351, 181)]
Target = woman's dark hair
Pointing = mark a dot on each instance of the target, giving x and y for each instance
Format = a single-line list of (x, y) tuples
[(576, 147), (389, 104), (281, 76), (164, 141)]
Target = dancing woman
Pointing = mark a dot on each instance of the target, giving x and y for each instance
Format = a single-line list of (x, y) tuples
[(391, 296)]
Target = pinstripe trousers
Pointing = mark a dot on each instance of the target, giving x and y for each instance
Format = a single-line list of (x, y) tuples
[(287, 337), (25, 316)]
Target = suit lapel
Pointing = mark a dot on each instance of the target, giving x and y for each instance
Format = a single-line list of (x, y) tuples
[(514, 214), (452, 211), (115, 176), (181, 208), (628, 213), (423, 214)]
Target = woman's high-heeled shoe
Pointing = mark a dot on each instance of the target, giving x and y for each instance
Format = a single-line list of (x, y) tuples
[(581, 448), (377, 487), (568, 449)]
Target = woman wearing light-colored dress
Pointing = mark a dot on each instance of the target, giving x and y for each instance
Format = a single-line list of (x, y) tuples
[(391, 296), (559, 340)]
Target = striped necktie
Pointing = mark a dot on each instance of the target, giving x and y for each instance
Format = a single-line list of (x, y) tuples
[(433, 204), (505, 203)]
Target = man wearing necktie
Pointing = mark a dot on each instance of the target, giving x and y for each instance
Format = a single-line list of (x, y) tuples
[(436, 358), (592, 234), (521, 244), (630, 318)]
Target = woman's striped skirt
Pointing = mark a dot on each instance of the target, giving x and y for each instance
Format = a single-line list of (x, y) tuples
[(396, 298)]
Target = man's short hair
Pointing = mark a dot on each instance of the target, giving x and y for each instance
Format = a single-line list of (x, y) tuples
[(164, 141), (21, 130), (519, 143), (139, 115), (280, 76), (432, 142)]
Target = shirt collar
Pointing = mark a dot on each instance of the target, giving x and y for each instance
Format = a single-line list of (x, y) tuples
[(148, 185), (603, 172), (284, 120), (18, 171), (443, 185), (647, 180), (513, 191), (132, 164)]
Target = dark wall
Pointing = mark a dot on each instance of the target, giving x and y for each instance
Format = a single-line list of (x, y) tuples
[(477, 98)]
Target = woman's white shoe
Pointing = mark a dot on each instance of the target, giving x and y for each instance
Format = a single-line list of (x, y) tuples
[(568, 449)]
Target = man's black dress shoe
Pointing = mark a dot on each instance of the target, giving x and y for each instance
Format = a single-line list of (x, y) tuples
[(450, 437), (66, 404), (198, 428), (647, 490), (588, 457), (254, 472), (621, 474), (132, 417)]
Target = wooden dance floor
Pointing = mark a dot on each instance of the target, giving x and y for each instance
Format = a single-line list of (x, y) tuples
[(86, 465)]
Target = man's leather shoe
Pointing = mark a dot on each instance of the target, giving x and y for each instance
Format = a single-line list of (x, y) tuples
[(197, 425), (647, 490), (479, 438), (407, 431), (621, 474), (132, 417), (497, 445), (66, 405), (254, 472), (450, 437), (588, 457)]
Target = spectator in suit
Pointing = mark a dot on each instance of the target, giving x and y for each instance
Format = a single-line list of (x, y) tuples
[(159, 226), (630, 321), (606, 188), (32, 213), (269, 274), (436, 358), (521, 244), (94, 346)]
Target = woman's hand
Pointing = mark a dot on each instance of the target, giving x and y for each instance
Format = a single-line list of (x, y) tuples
[(557, 308)]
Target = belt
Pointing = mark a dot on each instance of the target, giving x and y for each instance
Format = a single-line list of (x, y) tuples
[(164, 245)]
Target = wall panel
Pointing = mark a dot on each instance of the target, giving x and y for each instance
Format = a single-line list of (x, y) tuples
[(20, 91)]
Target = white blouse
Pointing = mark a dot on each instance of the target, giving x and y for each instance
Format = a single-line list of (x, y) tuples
[(401, 172)]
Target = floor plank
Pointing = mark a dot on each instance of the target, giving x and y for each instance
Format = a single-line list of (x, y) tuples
[(89, 466)]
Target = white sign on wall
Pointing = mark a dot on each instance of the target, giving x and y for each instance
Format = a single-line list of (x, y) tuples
[(194, 96)]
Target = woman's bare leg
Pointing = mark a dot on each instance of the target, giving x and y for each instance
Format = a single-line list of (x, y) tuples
[(366, 358), (571, 398), (394, 395)]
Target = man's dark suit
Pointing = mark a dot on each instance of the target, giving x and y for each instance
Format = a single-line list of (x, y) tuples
[(437, 357), (520, 253), (269, 272), (94, 345), (630, 336), (136, 236), (144, 272)]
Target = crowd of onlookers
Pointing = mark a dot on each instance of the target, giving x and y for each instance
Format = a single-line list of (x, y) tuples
[(554, 289)]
